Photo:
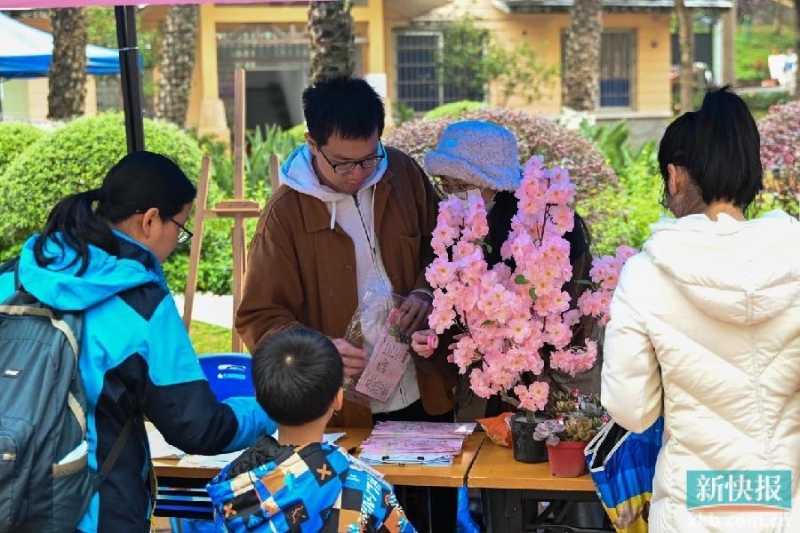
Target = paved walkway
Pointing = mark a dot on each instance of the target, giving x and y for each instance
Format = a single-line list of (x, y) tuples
[(210, 308)]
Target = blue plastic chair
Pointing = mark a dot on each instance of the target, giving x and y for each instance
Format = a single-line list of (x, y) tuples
[(229, 375)]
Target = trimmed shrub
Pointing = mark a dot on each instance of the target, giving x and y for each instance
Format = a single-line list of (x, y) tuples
[(536, 136), (15, 137), (780, 156), (454, 110), (76, 158)]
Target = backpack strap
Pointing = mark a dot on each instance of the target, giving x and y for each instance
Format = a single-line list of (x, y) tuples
[(105, 469), (113, 455)]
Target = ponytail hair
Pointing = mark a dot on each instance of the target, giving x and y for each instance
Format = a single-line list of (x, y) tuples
[(138, 182), (719, 146)]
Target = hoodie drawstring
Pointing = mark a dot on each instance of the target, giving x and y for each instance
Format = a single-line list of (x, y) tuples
[(372, 238), (333, 214)]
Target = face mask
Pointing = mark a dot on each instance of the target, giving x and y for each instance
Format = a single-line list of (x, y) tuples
[(463, 196)]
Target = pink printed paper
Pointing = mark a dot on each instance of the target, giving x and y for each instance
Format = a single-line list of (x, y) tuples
[(430, 430), (412, 446), (386, 363)]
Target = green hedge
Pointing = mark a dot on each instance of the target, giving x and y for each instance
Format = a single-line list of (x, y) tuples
[(76, 157), (15, 137)]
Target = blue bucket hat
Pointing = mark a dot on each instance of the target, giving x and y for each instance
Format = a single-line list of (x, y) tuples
[(479, 153)]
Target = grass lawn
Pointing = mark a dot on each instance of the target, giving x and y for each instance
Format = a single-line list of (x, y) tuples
[(208, 338)]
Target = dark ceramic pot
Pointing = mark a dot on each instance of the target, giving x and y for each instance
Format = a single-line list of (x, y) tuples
[(526, 449)]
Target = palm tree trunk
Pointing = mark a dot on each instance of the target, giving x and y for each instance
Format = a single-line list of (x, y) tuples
[(582, 58), (686, 39), (67, 92), (330, 28), (177, 63)]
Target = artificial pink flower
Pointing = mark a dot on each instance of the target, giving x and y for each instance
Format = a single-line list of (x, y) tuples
[(532, 397), (440, 273), (509, 314)]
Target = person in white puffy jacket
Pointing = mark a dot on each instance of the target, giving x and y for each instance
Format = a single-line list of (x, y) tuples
[(705, 329)]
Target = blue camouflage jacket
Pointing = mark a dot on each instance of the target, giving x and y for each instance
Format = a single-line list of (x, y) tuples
[(317, 488)]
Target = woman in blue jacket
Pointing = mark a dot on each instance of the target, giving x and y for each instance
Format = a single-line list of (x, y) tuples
[(101, 253)]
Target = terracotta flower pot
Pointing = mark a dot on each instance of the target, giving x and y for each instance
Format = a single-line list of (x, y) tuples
[(567, 458)]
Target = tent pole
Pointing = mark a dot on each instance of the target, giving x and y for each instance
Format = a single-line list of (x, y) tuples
[(129, 76)]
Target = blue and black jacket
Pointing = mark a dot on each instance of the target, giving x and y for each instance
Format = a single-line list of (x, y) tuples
[(136, 361), (316, 488)]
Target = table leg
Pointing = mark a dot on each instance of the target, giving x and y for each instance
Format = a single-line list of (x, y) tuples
[(502, 510), (430, 509)]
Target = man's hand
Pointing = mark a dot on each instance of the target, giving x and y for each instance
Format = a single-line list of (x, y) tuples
[(414, 312), (354, 359)]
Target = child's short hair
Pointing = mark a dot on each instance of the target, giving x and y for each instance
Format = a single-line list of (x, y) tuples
[(297, 374)]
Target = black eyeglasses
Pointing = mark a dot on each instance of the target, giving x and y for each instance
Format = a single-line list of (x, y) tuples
[(346, 168), (446, 187), (184, 235)]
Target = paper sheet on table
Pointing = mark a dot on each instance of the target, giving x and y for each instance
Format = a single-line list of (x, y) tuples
[(407, 459), (159, 447), (223, 459), (428, 430)]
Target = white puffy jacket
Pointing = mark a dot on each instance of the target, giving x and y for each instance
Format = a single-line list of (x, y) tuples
[(705, 329)]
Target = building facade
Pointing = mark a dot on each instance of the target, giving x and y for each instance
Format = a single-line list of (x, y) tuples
[(399, 42)]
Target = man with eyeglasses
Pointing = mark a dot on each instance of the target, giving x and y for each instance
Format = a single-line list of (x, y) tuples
[(351, 224)]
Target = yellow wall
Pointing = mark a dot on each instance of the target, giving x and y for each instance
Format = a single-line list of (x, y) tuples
[(378, 23), (15, 99), (206, 110), (26, 99), (542, 32)]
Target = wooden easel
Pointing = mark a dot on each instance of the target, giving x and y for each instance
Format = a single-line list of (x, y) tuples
[(238, 209)]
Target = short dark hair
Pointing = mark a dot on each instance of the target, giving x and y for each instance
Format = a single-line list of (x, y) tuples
[(347, 106), (720, 148), (138, 181), (297, 374)]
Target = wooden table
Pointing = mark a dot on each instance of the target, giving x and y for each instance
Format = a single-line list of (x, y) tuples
[(187, 481), (505, 483)]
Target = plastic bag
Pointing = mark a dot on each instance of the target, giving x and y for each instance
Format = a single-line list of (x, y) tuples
[(498, 428), (373, 326), (622, 465)]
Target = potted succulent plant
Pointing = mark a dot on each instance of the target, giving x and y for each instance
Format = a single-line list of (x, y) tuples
[(577, 419)]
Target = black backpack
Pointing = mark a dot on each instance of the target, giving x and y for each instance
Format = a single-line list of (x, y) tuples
[(45, 481)]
